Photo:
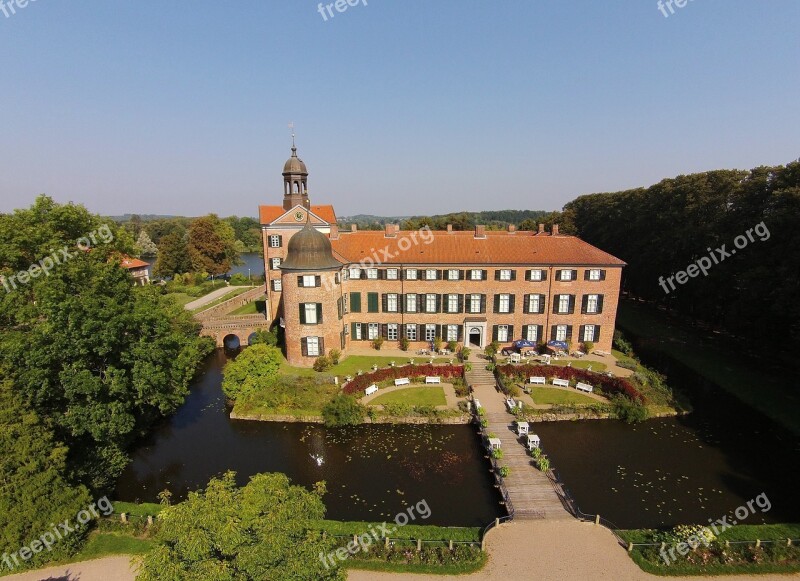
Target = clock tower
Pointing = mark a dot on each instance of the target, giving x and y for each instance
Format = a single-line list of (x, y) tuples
[(295, 182)]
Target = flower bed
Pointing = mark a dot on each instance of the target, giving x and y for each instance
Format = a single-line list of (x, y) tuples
[(362, 382), (608, 385)]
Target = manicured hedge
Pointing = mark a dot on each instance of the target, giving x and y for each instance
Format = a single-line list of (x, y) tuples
[(608, 385), (362, 382)]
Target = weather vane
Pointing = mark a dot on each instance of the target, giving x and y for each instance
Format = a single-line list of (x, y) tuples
[(291, 126)]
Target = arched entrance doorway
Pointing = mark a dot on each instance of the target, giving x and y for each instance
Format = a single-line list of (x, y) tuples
[(475, 337)]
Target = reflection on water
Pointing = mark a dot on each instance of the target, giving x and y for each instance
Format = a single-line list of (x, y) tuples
[(371, 472)]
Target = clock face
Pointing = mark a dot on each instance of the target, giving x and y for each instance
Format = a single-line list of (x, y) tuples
[(298, 216)]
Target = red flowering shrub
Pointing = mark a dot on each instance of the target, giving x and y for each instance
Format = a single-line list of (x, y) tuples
[(362, 382), (608, 385)]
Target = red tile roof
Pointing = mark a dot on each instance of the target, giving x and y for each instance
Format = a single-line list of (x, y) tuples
[(132, 263), (269, 214), (463, 248)]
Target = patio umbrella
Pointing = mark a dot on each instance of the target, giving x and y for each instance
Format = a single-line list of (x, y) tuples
[(522, 343), (557, 345)]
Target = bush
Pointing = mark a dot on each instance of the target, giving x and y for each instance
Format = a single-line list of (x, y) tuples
[(404, 343), (505, 471), (543, 463), (437, 344), (464, 353), (628, 410), (361, 382), (377, 343), (264, 337), (343, 410), (335, 356), (497, 454), (239, 279), (492, 349), (625, 364), (608, 385), (588, 347), (621, 344), (322, 363), (452, 346)]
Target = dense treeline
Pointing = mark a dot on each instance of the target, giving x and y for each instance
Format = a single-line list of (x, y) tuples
[(493, 220), (87, 363), (663, 229)]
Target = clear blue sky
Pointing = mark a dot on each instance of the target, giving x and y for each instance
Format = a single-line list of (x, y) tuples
[(400, 106)]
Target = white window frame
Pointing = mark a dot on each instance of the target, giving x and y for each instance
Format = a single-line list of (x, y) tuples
[(309, 281), (452, 333), (536, 275), (452, 303), (392, 332), (563, 304), (372, 274), (391, 274), (504, 303), (474, 304), (476, 274), (391, 303), (586, 335), (430, 274), (594, 274), (561, 332), (453, 274), (411, 331), (592, 304), (277, 285), (505, 274), (532, 333), (358, 333), (275, 263), (274, 241), (355, 272), (430, 303), (411, 303), (534, 303), (566, 275), (373, 331), (430, 332), (310, 310), (312, 346), (502, 334), (412, 274)]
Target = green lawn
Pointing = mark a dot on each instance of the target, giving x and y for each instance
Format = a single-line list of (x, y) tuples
[(291, 396), (256, 307), (429, 396), (598, 366), (354, 363), (549, 395), (106, 544), (766, 391), (235, 292)]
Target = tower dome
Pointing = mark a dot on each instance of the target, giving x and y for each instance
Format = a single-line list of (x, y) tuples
[(309, 250), (295, 165)]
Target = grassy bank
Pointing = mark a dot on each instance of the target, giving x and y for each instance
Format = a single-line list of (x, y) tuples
[(742, 556), (753, 383)]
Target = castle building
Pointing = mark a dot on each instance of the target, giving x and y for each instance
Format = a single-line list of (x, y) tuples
[(339, 290)]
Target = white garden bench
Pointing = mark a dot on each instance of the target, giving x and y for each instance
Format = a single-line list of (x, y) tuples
[(511, 404), (601, 353), (584, 387), (430, 379), (533, 441), (522, 428), (561, 382), (371, 389), (402, 381), (538, 380)]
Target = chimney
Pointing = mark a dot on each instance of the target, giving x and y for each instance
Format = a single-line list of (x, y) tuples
[(480, 231), (391, 230), (449, 228), (541, 228), (555, 229), (353, 227), (334, 232), (511, 228)]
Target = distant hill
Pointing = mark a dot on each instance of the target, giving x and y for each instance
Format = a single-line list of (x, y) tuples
[(142, 217)]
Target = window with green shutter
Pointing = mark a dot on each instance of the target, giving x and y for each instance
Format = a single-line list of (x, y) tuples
[(355, 302), (372, 302)]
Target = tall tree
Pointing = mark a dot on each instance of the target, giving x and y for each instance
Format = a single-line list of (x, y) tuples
[(261, 531), (212, 245), (172, 257), (146, 246)]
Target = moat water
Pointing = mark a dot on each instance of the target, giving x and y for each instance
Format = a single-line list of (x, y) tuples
[(658, 473)]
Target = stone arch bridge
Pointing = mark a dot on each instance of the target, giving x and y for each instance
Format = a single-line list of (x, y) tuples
[(219, 324)]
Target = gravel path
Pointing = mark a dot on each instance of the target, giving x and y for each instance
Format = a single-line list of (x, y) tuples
[(106, 569), (209, 298)]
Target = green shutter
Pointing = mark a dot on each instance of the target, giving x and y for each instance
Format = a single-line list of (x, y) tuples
[(512, 301), (372, 302), (302, 307), (599, 304), (355, 302), (511, 332), (353, 331), (319, 313), (494, 332)]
